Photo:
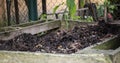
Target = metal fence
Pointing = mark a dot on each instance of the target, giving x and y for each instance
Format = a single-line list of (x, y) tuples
[(21, 14), (19, 9), (2, 10), (22, 11), (50, 4)]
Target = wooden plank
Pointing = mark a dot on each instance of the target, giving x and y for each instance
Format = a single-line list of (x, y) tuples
[(33, 29)]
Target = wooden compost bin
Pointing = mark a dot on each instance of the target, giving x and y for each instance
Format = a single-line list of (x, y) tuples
[(92, 54), (31, 27)]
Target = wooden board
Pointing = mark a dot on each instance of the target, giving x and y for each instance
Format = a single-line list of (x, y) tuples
[(33, 29)]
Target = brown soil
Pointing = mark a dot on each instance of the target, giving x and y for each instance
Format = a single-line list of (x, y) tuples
[(61, 41)]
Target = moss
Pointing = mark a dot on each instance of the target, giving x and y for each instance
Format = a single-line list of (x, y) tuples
[(110, 45), (30, 23), (6, 29)]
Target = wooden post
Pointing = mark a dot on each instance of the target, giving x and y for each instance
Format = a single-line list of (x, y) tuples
[(32, 7), (44, 11), (2, 13), (8, 6), (105, 14), (16, 11)]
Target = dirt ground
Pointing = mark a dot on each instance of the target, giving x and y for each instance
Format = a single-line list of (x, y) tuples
[(61, 41)]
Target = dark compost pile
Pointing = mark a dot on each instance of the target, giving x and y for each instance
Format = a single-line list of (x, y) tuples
[(60, 41)]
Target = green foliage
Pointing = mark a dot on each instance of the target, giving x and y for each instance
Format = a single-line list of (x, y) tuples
[(100, 11), (56, 7), (106, 3), (3, 23), (71, 7), (65, 17), (89, 19), (110, 7), (82, 3), (43, 16), (114, 1)]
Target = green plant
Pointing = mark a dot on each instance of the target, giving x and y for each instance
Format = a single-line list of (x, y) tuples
[(100, 11), (56, 7), (82, 3), (65, 17), (43, 16), (71, 8), (107, 5), (3, 23), (89, 19)]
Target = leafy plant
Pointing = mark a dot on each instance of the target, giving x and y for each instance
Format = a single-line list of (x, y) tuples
[(43, 16), (65, 17), (101, 8), (56, 7), (100, 11), (82, 3), (110, 7), (71, 8), (89, 19), (3, 23)]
